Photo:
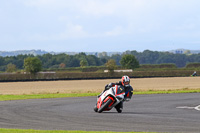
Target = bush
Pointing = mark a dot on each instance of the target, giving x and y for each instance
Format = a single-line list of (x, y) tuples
[(193, 65), (149, 66)]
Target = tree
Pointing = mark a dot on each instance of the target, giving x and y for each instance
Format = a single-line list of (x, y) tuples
[(187, 52), (117, 58), (103, 54), (129, 61), (83, 63), (32, 65), (62, 65), (92, 60), (11, 68), (111, 65), (73, 62)]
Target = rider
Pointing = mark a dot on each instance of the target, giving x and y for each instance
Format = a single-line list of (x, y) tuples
[(194, 74), (125, 82)]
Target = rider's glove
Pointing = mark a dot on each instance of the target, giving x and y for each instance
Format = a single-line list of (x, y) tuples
[(110, 85)]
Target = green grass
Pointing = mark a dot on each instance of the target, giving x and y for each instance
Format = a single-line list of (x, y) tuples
[(184, 90), (2, 130), (58, 95), (41, 96)]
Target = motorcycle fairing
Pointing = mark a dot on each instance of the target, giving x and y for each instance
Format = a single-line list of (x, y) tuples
[(116, 94)]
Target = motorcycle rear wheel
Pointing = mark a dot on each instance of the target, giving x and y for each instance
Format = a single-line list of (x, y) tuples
[(105, 105)]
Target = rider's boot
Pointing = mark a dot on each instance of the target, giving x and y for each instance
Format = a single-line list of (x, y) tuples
[(119, 107)]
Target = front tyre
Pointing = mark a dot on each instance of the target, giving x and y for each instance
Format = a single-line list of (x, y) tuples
[(95, 108), (105, 105)]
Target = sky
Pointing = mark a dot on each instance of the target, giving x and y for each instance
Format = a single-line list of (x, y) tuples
[(99, 25)]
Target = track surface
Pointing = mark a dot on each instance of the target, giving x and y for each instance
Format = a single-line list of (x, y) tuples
[(157, 112)]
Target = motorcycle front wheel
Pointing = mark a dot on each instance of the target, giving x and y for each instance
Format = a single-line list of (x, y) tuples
[(105, 105), (95, 108)]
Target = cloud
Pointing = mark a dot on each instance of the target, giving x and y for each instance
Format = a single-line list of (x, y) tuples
[(51, 4), (129, 8), (138, 19), (89, 7), (115, 32), (72, 31)]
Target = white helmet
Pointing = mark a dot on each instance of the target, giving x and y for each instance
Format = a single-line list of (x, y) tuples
[(126, 81)]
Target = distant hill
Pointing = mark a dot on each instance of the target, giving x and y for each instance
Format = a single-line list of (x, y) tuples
[(182, 51), (22, 52), (41, 52)]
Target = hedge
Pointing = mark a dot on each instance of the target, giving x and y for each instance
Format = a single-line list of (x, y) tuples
[(92, 75), (193, 65)]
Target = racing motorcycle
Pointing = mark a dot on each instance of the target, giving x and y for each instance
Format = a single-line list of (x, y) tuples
[(110, 98)]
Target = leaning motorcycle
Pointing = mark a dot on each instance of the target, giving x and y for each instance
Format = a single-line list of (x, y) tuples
[(110, 98)]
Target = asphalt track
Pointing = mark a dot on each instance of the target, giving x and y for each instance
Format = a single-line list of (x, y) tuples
[(156, 112)]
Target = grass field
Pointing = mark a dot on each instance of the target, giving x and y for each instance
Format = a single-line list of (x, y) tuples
[(96, 86)]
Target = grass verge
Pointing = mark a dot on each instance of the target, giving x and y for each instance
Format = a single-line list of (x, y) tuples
[(58, 95), (2, 130), (184, 90), (42, 96)]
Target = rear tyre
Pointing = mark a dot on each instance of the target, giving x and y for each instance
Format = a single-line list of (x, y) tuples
[(105, 105)]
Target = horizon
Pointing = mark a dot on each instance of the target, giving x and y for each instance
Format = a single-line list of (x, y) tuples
[(96, 51), (100, 25)]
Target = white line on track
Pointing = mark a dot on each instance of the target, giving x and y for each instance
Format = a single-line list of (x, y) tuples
[(197, 108), (186, 107)]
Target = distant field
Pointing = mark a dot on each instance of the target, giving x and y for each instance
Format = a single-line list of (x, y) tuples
[(85, 86)]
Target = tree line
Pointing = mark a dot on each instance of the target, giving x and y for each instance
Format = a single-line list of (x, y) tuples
[(81, 59), (53, 61), (155, 57)]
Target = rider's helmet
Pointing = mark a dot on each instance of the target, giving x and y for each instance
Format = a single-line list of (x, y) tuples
[(125, 81)]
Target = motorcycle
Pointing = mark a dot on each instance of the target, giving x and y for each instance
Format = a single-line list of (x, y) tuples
[(110, 98)]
